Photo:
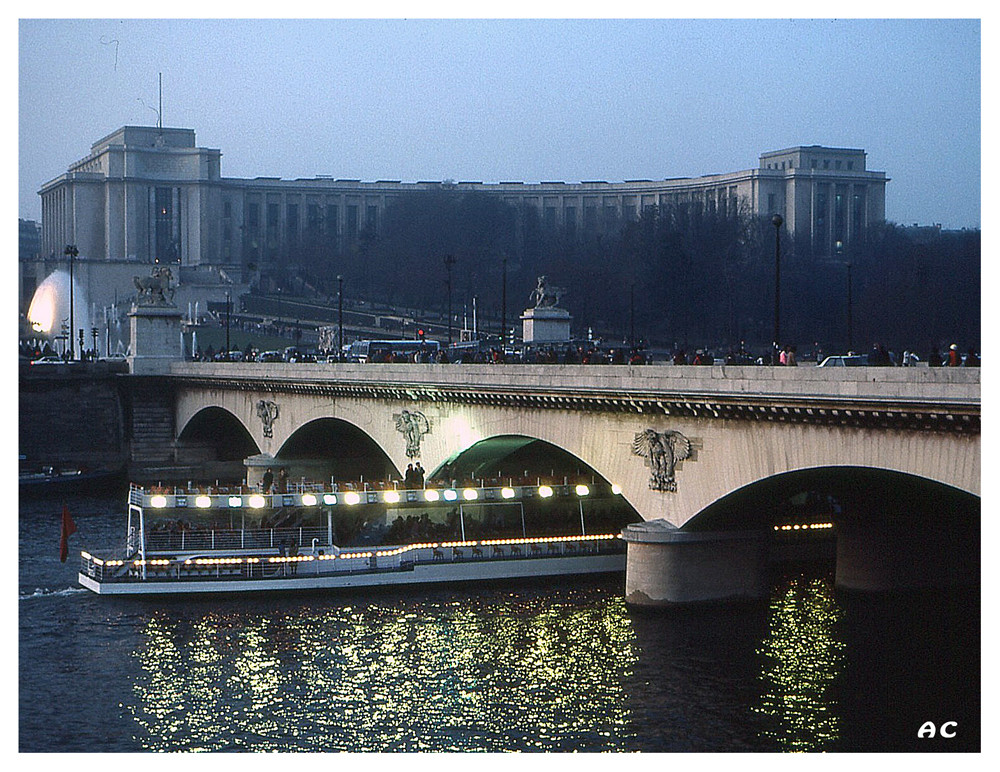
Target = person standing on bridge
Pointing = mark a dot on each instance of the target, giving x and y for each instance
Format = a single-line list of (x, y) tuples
[(282, 480), (267, 481)]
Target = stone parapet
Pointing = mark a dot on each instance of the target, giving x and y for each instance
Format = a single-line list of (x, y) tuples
[(945, 385)]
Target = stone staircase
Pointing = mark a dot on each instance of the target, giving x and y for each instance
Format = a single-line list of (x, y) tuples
[(152, 435)]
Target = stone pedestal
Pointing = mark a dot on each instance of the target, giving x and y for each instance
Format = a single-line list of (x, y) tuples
[(545, 325), (666, 566), (155, 339)]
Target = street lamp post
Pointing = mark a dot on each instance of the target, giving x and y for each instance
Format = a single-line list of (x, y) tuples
[(71, 252), (631, 315), (777, 221), (340, 317), (850, 315), (449, 261), (228, 305), (503, 307)]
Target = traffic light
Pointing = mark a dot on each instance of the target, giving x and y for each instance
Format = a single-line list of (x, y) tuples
[(420, 333)]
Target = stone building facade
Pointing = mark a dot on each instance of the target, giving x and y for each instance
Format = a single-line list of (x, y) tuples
[(147, 194)]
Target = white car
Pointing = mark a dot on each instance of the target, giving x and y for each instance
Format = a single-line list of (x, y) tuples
[(851, 360)]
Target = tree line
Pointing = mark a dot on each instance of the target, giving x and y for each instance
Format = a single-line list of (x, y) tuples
[(676, 276)]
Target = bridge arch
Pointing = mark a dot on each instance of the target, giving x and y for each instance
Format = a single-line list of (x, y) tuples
[(333, 448), (214, 442), (513, 455), (838, 493)]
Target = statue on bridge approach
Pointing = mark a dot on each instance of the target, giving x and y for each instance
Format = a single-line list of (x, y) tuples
[(544, 295), (662, 451), (155, 289)]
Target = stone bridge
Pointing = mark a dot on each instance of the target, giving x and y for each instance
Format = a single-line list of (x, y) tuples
[(681, 442)]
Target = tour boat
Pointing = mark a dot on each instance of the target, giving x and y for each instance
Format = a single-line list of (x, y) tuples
[(177, 542)]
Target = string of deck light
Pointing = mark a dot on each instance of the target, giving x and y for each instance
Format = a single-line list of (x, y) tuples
[(353, 498), (254, 560)]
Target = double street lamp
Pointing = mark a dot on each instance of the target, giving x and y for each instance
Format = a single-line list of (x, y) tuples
[(229, 304), (340, 317), (777, 221), (503, 307), (449, 261), (71, 252), (850, 314)]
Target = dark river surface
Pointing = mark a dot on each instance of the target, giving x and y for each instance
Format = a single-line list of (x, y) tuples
[(557, 666)]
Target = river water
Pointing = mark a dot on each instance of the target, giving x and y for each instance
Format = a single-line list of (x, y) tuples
[(557, 666)]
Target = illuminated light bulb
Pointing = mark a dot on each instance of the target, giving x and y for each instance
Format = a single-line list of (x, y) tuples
[(256, 501), (431, 495), (158, 501), (470, 494), (392, 497), (203, 502), (450, 495), (544, 491), (582, 490), (507, 493), (351, 498), (329, 498), (235, 501), (616, 489), (308, 500)]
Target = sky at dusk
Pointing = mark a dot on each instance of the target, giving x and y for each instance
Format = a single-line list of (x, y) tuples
[(527, 100)]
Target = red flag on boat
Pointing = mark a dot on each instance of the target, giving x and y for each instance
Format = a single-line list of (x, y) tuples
[(68, 529)]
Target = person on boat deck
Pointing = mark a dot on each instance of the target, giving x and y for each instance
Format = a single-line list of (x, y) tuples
[(418, 476), (408, 481), (268, 480), (282, 480)]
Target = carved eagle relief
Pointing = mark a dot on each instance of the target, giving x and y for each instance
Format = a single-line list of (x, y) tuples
[(662, 451), (267, 412)]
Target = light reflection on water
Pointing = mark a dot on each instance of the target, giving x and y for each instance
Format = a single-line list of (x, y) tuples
[(802, 659), (516, 671), (514, 674)]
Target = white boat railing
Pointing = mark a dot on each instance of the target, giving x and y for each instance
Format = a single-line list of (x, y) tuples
[(326, 560), (234, 539)]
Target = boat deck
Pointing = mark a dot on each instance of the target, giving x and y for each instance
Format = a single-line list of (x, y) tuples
[(243, 570)]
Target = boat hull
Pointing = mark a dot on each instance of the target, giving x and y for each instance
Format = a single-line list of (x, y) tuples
[(469, 572)]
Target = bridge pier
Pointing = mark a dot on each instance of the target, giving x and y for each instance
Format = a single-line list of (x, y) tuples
[(666, 566)]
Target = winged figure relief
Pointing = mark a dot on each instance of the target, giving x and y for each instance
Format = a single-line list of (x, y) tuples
[(662, 451), (413, 425), (267, 412)]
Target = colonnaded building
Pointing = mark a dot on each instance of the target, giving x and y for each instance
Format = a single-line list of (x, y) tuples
[(149, 194)]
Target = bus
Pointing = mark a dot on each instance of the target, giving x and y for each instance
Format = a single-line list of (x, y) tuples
[(387, 350)]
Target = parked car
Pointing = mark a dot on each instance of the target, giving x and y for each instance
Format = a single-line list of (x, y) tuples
[(850, 360)]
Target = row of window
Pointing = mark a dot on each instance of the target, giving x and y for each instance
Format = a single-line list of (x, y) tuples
[(814, 163)]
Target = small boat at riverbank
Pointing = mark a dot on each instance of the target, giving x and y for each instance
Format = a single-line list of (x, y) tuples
[(49, 480), (181, 542)]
